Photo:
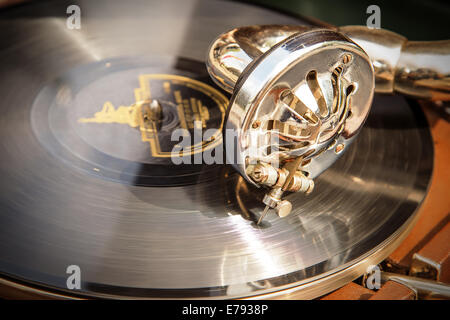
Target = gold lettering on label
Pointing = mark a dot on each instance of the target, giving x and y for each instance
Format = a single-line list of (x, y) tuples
[(189, 110)]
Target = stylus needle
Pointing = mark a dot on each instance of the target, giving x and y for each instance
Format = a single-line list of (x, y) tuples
[(266, 209)]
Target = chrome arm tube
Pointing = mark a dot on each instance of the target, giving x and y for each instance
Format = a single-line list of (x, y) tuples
[(417, 69), (233, 51), (420, 69), (422, 288), (311, 89)]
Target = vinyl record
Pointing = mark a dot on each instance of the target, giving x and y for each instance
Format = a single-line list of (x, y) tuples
[(86, 182)]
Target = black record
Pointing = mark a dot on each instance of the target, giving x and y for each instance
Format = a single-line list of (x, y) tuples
[(86, 182)]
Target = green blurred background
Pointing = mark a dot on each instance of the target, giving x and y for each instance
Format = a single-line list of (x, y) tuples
[(417, 20)]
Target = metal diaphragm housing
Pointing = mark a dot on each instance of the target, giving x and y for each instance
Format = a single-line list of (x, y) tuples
[(307, 96)]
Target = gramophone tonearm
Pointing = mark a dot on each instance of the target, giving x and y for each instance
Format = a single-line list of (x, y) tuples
[(301, 95)]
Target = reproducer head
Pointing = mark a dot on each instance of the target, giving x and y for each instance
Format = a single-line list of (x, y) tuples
[(299, 98)]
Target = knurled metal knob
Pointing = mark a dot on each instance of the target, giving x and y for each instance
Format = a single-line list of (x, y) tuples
[(283, 208)]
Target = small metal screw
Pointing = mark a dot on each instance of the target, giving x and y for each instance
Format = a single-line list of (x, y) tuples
[(347, 58), (339, 148), (283, 208)]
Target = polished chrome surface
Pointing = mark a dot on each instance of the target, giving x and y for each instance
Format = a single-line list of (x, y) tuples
[(384, 49), (301, 105), (423, 70), (302, 92), (300, 99), (188, 241), (420, 69), (422, 288), (231, 52)]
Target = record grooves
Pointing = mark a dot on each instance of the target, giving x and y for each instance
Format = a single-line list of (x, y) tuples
[(85, 182)]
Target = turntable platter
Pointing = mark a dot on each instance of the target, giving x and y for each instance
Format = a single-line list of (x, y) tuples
[(82, 186)]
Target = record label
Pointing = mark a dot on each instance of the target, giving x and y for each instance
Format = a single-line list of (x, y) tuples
[(99, 116)]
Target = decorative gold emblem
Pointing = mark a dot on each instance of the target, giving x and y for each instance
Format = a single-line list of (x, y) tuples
[(190, 110)]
